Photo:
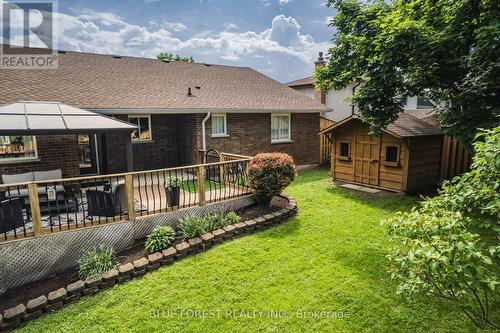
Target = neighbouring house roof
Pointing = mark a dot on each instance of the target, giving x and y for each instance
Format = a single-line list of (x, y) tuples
[(37, 118), (405, 126), (307, 81), (105, 82)]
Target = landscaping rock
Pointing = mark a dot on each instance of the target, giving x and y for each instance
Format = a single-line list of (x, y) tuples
[(36, 304), (57, 296), (229, 231), (92, 285), (32, 315), (75, 288), (155, 260), (125, 272), (140, 266), (14, 314), (195, 244), (218, 235), (260, 222), (182, 249), (169, 255), (207, 239), (241, 228), (251, 224), (269, 220), (109, 278)]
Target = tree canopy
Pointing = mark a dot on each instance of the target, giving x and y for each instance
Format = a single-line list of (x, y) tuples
[(171, 57), (444, 50)]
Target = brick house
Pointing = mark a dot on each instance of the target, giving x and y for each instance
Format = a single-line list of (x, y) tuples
[(242, 110)]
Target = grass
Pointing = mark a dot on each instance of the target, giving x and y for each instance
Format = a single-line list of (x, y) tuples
[(331, 258), (192, 186)]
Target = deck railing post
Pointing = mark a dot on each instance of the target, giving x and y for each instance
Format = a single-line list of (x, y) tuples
[(36, 215), (201, 185), (222, 158), (129, 189)]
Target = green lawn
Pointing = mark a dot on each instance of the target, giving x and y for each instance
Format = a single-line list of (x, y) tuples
[(331, 257), (192, 185)]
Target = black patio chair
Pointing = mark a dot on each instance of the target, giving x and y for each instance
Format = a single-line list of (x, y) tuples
[(110, 202), (11, 215)]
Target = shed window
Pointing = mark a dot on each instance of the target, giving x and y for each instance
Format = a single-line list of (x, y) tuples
[(13, 148), (219, 125), (344, 149), (143, 133), (392, 154)]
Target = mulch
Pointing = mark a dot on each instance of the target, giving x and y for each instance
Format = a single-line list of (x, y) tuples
[(23, 294)]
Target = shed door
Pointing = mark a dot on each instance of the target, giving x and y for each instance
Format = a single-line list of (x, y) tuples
[(366, 159)]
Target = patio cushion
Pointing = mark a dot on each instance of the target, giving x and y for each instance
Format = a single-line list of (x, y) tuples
[(48, 175), (23, 192), (18, 178)]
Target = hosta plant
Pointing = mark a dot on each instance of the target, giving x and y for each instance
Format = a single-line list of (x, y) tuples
[(159, 239)]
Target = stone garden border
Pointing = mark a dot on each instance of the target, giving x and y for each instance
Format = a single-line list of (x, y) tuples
[(19, 315)]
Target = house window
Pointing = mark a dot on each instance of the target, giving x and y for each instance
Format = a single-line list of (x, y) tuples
[(143, 133), (13, 148), (219, 125), (280, 128), (392, 154), (344, 149)]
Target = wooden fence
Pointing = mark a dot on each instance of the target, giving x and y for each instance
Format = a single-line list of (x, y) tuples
[(456, 158), (325, 144)]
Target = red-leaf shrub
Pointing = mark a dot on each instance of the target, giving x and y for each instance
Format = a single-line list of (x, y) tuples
[(269, 174)]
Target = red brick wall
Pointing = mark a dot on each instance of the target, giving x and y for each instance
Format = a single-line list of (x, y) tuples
[(54, 152), (251, 133), (159, 153)]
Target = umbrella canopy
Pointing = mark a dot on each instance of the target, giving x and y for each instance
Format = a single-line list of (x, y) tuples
[(39, 118)]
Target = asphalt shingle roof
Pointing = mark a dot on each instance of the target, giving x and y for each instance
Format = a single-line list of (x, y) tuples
[(92, 81), (302, 82)]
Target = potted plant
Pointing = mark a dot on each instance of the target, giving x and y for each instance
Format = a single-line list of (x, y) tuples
[(172, 188)]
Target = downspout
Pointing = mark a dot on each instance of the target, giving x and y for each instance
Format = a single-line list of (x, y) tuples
[(203, 138)]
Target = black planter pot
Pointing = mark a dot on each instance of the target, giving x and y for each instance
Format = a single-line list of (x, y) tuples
[(173, 195)]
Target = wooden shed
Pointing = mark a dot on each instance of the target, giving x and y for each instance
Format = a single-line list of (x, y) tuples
[(405, 157)]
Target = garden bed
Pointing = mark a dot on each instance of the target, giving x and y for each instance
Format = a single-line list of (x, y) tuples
[(22, 294)]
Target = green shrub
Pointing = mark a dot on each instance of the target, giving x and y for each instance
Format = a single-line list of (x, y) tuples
[(159, 239), (96, 261), (269, 174), (173, 181), (449, 245), (192, 226), (232, 218)]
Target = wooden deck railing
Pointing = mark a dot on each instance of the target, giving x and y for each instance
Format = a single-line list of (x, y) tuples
[(42, 207)]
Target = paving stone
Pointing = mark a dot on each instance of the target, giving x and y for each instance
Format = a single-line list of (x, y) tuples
[(54, 306), (140, 266), (15, 313), (57, 296), (195, 244), (251, 224), (218, 235), (169, 255), (75, 287), (73, 297), (182, 247), (124, 270), (110, 275), (268, 217), (37, 304), (92, 282), (32, 315), (207, 238), (155, 260), (240, 227)]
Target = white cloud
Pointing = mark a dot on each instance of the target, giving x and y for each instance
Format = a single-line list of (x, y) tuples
[(282, 51), (230, 26), (284, 2)]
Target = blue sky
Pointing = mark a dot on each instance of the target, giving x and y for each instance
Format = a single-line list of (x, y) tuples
[(280, 38)]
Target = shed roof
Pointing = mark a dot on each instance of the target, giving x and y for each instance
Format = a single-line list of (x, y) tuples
[(105, 82), (37, 118), (405, 126)]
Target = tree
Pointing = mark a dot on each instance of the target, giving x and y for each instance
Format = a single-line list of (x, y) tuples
[(444, 50), (449, 246), (170, 57)]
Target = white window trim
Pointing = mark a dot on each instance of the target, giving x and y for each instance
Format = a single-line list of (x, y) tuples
[(219, 135), (23, 159), (289, 139), (150, 128)]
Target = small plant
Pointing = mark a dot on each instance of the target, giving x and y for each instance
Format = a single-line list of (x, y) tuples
[(192, 226), (218, 220), (96, 261), (269, 174), (159, 239), (172, 182)]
